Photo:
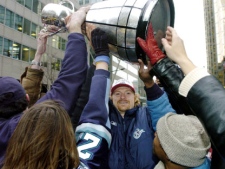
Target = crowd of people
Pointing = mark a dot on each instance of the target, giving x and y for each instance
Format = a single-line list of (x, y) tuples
[(85, 122)]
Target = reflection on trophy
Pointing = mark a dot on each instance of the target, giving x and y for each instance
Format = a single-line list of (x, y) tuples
[(53, 16), (123, 20)]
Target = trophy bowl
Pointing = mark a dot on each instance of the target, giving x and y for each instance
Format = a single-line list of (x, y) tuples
[(125, 20)]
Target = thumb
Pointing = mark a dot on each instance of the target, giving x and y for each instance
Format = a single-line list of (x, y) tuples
[(142, 44), (165, 44), (141, 64)]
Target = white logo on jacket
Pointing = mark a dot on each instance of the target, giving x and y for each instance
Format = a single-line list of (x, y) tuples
[(137, 133), (113, 123)]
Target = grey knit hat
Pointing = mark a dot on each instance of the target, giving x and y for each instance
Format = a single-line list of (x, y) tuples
[(183, 139)]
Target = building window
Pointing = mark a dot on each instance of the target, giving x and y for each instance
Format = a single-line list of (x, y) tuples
[(1, 44), (80, 2), (55, 41), (25, 53), (2, 14), (15, 51), (7, 46), (34, 30), (28, 4), (21, 1), (26, 26), (56, 65), (32, 54), (18, 23), (9, 19), (63, 44), (37, 6)]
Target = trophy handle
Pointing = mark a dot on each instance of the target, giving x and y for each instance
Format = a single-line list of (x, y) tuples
[(67, 1)]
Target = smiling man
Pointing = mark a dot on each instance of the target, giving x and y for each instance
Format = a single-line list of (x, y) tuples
[(123, 96), (133, 125)]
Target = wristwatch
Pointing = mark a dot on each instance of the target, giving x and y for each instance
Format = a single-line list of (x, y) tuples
[(34, 62)]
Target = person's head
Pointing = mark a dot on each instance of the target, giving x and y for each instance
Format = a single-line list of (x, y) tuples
[(123, 95), (181, 140), (13, 99), (43, 138)]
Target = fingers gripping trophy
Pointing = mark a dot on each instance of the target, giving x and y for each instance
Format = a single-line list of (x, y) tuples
[(122, 20)]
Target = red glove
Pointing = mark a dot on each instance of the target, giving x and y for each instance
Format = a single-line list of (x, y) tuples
[(150, 47)]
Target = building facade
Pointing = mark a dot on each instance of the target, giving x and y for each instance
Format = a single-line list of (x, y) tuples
[(214, 12)]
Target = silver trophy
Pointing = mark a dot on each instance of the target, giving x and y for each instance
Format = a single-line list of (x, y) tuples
[(53, 16), (124, 21)]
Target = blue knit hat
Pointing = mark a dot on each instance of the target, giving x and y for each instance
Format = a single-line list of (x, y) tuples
[(10, 90)]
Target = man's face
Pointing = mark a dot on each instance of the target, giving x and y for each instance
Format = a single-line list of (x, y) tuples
[(123, 99)]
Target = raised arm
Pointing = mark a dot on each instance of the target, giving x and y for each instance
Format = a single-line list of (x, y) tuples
[(93, 132), (204, 92), (74, 66), (166, 71), (32, 77)]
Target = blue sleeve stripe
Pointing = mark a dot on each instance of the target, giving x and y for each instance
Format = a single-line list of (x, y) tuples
[(94, 128), (107, 101)]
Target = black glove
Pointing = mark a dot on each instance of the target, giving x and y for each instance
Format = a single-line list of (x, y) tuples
[(99, 41)]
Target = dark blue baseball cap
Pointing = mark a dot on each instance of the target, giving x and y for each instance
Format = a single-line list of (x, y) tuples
[(10, 90)]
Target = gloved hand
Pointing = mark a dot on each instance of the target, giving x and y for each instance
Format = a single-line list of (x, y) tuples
[(150, 47), (99, 41)]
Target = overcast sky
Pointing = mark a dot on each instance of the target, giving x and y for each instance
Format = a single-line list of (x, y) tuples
[(189, 23)]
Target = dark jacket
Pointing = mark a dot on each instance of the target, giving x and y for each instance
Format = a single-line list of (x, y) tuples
[(170, 77), (207, 99), (7, 127)]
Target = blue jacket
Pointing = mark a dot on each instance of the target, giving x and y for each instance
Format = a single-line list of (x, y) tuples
[(93, 132), (66, 88), (132, 136)]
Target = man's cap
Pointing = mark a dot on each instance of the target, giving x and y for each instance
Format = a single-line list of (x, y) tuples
[(12, 88), (121, 83), (183, 139)]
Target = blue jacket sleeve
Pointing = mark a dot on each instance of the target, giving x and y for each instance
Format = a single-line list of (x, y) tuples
[(93, 132), (158, 108), (72, 75)]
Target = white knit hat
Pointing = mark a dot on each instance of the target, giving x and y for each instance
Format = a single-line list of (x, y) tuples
[(183, 139)]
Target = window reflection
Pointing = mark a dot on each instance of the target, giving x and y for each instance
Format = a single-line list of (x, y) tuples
[(9, 18), (25, 53), (34, 28), (21, 1), (1, 42), (28, 4), (2, 14), (56, 65), (15, 51), (32, 54), (26, 26), (7, 45), (63, 44), (18, 23), (36, 6)]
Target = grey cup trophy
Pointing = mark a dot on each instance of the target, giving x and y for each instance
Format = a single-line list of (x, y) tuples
[(124, 21)]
